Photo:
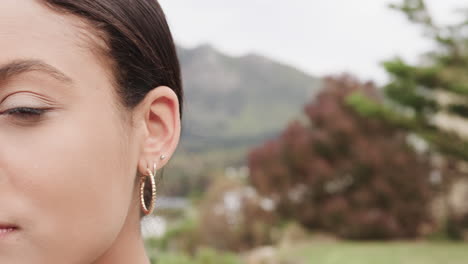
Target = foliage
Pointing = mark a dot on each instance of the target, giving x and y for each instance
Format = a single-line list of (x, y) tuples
[(235, 218), (183, 236), (203, 256), (192, 173), (230, 216), (343, 172), (436, 90)]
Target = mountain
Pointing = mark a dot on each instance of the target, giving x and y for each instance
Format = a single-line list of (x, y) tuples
[(238, 101)]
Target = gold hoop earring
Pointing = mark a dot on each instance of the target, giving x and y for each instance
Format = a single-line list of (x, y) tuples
[(152, 175)]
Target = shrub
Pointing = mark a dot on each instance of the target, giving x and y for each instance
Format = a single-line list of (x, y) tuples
[(344, 173), (233, 217)]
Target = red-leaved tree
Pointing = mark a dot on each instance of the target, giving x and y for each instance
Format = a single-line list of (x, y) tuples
[(341, 172)]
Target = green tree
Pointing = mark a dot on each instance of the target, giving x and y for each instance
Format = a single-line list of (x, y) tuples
[(430, 98)]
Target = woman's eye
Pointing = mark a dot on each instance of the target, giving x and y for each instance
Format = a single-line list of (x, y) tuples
[(25, 112)]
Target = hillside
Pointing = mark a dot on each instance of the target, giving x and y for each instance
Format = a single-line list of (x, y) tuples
[(237, 101), (231, 104)]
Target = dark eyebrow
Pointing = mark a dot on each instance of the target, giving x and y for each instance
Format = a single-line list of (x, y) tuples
[(17, 67)]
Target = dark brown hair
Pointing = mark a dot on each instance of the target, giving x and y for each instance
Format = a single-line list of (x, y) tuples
[(139, 44)]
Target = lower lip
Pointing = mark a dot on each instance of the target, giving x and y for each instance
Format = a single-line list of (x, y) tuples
[(5, 232)]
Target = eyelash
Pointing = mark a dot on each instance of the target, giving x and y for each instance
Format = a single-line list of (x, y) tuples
[(25, 112)]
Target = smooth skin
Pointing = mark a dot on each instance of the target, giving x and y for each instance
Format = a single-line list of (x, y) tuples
[(68, 176)]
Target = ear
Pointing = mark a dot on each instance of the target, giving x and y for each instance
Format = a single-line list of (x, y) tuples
[(159, 117)]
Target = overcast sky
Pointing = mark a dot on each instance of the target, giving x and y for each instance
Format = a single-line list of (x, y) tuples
[(317, 36)]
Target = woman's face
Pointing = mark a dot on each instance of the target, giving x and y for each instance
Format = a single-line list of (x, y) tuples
[(66, 172)]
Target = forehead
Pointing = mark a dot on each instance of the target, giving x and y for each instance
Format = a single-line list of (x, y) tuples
[(30, 30)]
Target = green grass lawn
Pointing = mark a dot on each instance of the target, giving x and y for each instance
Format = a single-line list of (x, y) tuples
[(377, 253)]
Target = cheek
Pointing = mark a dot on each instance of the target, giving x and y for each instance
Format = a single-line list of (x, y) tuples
[(69, 182)]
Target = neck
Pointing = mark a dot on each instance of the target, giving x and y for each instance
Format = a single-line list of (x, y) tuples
[(129, 246)]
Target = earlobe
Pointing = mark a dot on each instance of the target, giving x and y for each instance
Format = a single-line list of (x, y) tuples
[(144, 164), (161, 119)]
